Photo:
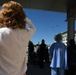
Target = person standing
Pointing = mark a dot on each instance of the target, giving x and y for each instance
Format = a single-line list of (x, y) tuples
[(58, 52), (41, 53), (71, 50), (14, 39)]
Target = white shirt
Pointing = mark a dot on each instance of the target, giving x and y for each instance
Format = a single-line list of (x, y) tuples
[(13, 44)]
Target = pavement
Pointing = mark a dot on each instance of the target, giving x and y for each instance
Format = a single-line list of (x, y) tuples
[(33, 69)]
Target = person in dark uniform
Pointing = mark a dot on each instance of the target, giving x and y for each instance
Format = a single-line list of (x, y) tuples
[(42, 49)]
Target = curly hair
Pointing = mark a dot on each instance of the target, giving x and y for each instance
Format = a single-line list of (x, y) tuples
[(58, 37), (12, 15)]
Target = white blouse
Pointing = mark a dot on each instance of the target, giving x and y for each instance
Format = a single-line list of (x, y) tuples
[(13, 44)]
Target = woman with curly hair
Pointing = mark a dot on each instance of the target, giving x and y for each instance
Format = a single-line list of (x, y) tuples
[(14, 38)]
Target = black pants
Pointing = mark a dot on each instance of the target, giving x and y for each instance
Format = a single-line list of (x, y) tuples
[(71, 70), (41, 63)]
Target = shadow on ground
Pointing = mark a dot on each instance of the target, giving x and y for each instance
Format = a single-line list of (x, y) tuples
[(35, 70)]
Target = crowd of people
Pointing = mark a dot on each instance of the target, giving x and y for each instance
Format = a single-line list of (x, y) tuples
[(63, 58), (40, 56), (14, 38)]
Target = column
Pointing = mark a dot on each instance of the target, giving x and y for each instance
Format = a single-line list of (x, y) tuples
[(71, 24)]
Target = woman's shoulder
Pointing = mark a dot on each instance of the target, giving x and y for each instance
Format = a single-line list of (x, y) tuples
[(5, 30)]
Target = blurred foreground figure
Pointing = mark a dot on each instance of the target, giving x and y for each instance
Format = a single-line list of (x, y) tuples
[(58, 52), (14, 39)]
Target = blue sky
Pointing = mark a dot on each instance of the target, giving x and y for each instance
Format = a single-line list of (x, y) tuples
[(47, 24)]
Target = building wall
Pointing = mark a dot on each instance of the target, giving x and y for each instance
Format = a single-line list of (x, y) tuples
[(64, 38)]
